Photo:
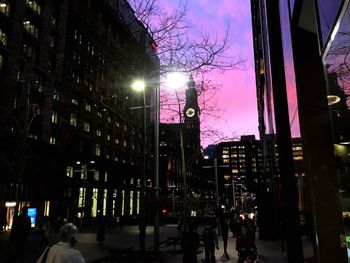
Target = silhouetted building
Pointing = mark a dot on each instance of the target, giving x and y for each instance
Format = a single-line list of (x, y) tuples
[(296, 45), (171, 173), (70, 144)]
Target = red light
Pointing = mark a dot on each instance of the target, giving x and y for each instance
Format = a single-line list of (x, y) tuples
[(164, 211)]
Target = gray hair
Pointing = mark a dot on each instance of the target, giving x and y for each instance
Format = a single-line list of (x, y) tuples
[(67, 231)]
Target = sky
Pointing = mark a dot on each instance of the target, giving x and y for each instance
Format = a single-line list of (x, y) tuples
[(237, 97)]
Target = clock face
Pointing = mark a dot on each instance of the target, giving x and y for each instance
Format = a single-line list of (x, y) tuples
[(190, 112)]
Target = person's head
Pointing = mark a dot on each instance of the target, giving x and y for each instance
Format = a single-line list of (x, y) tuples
[(68, 232)]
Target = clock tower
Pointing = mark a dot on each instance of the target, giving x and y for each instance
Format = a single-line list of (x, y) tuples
[(191, 118), (191, 111)]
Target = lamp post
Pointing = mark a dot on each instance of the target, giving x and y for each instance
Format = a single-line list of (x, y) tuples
[(140, 86)]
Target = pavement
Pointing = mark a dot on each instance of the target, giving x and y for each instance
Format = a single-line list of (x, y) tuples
[(127, 240)]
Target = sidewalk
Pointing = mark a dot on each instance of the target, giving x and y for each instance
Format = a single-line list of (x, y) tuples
[(268, 251)]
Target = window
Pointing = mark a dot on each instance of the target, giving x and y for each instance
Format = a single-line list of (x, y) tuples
[(3, 38), (116, 140), (97, 149), (30, 28), (54, 117), (108, 137), (56, 95), (69, 171), (98, 132), (88, 107), (52, 42), (75, 102), (99, 114), (52, 140), (96, 175), (124, 143), (73, 120), (29, 52), (4, 7), (87, 127), (34, 6)]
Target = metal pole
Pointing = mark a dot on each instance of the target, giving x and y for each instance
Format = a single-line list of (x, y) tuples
[(184, 178), (156, 173), (173, 201), (216, 180), (142, 223), (233, 193)]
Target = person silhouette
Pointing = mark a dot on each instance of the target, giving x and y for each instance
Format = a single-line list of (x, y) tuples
[(20, 230)]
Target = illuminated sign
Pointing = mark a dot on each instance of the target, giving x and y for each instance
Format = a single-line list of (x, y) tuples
[(32, 214)]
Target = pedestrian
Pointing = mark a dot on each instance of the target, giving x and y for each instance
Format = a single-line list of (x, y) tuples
[(20, 230), (101, 228), (210, 240), (224, 225), (46, 230), (190, 244), (64, 251)]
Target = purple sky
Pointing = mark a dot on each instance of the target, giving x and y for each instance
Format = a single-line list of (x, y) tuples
[(237, 97)]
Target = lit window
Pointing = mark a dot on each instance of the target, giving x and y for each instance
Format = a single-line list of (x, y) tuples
[(34, 6), (75, 102), (30, 28), (98, 132), (98, 149), (96, 175), (52, 140), (117, 124), (52, 42), (88, 107), (54, 117), (99, 114), (69, 171), (56, 95), (3, 38), (125, 127), (108, 137), (73, 120), (124, 143), (4, 7), (116, 140), (87, 127), (106, 177), (109, 119)]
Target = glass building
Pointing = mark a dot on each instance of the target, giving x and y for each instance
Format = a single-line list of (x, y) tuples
[(301, 54)]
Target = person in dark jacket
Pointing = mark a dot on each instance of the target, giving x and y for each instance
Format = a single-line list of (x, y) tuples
[(210, 240), (20, 231), (190, 244)]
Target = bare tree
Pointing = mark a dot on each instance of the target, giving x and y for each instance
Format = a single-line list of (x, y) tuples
[(170, 30)]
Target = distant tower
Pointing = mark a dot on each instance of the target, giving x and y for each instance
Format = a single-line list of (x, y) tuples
[(191, 131), (191, 115)]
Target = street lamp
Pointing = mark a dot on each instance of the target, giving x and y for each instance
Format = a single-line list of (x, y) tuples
[(139, 86), (174, 80)]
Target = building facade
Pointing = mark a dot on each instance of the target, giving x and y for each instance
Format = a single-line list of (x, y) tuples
[(180, 143), (70, 139), (239, 166), (299, 61)]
